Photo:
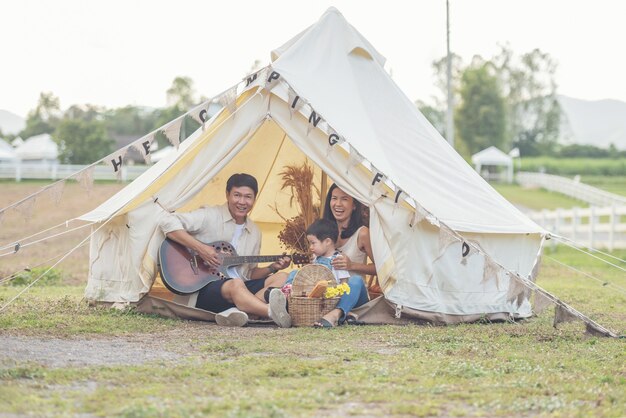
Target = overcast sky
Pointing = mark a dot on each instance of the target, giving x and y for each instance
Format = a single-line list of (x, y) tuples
[(118, 52)]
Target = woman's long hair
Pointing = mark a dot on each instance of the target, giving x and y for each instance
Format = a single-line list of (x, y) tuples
[(356, 218)]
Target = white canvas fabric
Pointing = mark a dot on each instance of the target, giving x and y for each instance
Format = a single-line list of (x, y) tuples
[(339, 75)]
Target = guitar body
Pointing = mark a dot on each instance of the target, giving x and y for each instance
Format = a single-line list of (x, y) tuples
[(184, 272)]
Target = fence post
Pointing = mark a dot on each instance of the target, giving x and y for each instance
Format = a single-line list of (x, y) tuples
[(592, 225), (575, 222), (612, 228), (18, 170)]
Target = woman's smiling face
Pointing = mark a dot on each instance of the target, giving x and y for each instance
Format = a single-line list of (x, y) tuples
[(341, 205)]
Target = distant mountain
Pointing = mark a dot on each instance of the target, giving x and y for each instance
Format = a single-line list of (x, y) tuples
[(10, 123), (599, 122)]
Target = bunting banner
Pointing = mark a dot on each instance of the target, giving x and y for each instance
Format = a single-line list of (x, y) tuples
[(85, 178), (228, 99), (562, 314), (517, 290), (378, 182), (295, 102), (200, 113), (595, 331), (314, 121), (446, 238), (56, 192), (256, 78), (354, 159), (143, 146), (27, 207), (116, 160), (270, 79), (535, 271), (468, 249), (334, 139), (397, 192), (540, 302), (490, 271), (172, 131)]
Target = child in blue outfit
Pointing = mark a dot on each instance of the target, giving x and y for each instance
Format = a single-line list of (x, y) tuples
[(322, 236)]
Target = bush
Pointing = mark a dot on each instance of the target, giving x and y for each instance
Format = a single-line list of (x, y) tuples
[(575, 166), (28, 276)]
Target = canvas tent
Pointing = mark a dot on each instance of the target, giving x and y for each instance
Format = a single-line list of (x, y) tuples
[(493, 157), (38, 149), (7, 154), (440, 233)]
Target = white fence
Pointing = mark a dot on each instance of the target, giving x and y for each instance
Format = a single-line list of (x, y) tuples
[(596, 227), (50, 171), (572, 188)]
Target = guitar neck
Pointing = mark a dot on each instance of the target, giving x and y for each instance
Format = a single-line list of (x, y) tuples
[(236, 260)]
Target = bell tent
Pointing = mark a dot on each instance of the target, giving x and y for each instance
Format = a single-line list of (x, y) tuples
[(448, 248)]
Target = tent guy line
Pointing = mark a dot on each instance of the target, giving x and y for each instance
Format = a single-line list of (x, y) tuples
[(602, 282)]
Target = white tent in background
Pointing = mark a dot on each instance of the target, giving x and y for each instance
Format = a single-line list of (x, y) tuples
[(493, 157), (7, 154), (439, 232), (38, 149), (17, 142)]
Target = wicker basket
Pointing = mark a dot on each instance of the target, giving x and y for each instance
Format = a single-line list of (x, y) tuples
[(305, 311)]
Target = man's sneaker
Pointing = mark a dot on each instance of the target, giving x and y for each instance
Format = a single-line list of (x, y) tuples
[(232, 317), (278, 309)]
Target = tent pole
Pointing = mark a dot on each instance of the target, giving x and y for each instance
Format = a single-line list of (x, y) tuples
[(323, 188)]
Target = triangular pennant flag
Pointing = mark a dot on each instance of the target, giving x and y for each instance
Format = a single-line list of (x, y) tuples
[(517, 290), (468, 249), (398, 196), (354, 159), (540, 302), (228, 99), (535, 271), (419, 215), (315, 121), (200, 113), (270, 77), (591, 329), (172, 131), (295, 102), (26, 207), (143, 146), (562, 314), (490, 271), (446, 238), (256, 79), (116, 161), (377, 183), (56, 191), (334, 140), (85, 178)]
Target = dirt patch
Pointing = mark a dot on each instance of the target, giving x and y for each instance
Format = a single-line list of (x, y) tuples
[(54, 352)]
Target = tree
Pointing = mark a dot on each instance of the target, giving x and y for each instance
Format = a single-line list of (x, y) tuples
[(435, 116), (534, 114), (82, 141), (44, 118), (181, 93), (480, 119)]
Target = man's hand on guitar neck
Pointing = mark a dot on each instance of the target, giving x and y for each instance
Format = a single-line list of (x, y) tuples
[(282, 263)]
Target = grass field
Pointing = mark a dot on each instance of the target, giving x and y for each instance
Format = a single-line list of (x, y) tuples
[(185, 368), (575, 166), (535, 198)]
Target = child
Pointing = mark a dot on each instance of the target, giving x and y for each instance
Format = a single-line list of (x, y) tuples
[(322, 236)]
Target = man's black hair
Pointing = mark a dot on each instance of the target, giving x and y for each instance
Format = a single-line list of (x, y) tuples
[(242, 180), (356, 218), (322, 229)]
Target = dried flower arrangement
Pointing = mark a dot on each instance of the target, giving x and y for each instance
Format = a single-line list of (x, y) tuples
[(299, 179)]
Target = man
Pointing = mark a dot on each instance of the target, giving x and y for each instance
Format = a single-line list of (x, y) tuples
[(245, 291)]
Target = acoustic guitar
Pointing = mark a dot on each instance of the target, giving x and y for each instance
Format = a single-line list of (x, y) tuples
[(184, 272)]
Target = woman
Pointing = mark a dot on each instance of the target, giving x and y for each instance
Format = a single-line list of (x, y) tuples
[(355, 246)]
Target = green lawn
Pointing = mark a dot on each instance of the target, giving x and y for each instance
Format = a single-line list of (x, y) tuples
[(535, 198), (499, 369), (613, 184)]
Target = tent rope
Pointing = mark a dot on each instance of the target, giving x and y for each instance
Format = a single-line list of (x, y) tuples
[(14, 275), (31, 284), (12, 244), (595, 256), (20, 246), (565, 240), (604, 283)]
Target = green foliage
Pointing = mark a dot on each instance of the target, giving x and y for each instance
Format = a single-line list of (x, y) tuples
[(535, 198), (480, 120), (82, 141), (44, 118), (575, 166), (130, 120), (52, 277)]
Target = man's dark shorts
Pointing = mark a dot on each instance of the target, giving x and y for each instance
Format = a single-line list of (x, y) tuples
[(210, 297)]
